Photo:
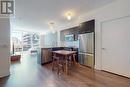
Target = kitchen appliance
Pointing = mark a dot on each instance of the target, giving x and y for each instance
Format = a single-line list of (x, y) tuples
[(86, 49), (69, 37)]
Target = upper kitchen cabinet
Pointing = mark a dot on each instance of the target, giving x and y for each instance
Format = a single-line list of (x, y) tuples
[(76, 32), (87, 27), (70, 31), (84, 27)]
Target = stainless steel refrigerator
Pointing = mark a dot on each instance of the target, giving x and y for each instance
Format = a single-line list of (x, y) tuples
[(86, 49)]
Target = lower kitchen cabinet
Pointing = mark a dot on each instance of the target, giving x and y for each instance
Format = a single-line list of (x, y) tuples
[(46, 55)]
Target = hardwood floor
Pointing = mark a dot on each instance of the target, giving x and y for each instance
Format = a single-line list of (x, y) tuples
[(28, 73)]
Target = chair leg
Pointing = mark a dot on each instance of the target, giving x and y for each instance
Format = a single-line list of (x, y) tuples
[(59, 62), (53, 65), (58, 70), (60, 66)]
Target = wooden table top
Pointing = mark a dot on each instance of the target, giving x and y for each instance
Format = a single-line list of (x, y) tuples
[(64, 52)]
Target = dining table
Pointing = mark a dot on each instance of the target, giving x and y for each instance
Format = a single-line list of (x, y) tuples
[(66, 54)]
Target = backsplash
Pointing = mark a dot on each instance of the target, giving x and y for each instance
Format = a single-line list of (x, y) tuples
[(70, 44)]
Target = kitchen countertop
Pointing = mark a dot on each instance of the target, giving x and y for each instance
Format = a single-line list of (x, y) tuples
[(57, 47)]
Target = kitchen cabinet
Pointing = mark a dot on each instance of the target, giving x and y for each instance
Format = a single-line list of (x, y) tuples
[(76, 32), (69, 31), (46, 55), (85, 27)]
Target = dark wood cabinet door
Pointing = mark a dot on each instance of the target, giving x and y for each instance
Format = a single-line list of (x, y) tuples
[(85, 27), (76, 33)]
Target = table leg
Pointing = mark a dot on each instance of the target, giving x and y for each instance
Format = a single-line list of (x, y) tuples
[(53, 61), (66, 66)]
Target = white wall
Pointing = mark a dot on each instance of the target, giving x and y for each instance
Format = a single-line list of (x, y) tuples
[(117, 9), (4, 47)]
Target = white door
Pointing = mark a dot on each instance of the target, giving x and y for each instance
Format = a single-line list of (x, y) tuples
[(116, 46)]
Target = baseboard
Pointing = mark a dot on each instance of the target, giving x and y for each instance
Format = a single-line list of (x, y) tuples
[(46, 62), (116, 74), (5, 75)]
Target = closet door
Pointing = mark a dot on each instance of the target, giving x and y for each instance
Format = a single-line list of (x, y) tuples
[(116, 46)]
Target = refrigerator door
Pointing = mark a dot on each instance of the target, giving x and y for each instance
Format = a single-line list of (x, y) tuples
[(82, 58), (86, 59), (89, 61), (86, 43), (82, 42)]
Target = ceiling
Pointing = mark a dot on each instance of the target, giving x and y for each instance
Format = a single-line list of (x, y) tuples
[(34, 15)]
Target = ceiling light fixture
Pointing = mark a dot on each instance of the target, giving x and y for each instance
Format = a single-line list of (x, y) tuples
[(69, 15), (51, 25)]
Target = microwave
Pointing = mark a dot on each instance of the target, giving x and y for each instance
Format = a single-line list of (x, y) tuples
[(69, 37)]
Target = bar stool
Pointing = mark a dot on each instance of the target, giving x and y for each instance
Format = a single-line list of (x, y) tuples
[(57, 63), (70, 59), (74, 58), (71, 62)]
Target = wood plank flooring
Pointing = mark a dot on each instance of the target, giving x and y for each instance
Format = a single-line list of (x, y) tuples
[(28, 73)]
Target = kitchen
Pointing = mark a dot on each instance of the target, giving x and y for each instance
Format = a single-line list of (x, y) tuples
[(84, 43), (83, 36), (80, 39)]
